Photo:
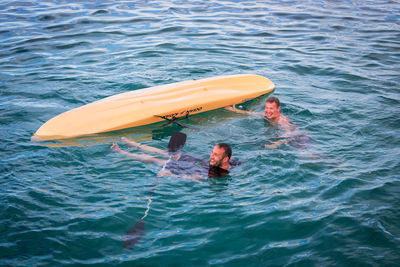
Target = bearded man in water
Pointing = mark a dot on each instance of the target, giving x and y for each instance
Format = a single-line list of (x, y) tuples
[(184, 165)]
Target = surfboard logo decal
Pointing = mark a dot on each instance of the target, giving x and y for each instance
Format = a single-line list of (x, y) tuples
[(183, 113)]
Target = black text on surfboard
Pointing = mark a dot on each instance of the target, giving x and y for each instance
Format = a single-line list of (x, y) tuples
[(183, 113)]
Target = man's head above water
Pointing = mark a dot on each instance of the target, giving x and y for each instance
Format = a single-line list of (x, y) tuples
[(272, 108), (220, 156)]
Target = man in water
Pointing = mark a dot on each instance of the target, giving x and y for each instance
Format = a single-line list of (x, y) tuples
[(271, 112), (277, 119), (183, 164)]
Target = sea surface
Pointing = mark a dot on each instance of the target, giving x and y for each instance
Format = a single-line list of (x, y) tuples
[(334, 202)]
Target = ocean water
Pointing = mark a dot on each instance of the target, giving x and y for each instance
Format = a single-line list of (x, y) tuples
[(336, 69)]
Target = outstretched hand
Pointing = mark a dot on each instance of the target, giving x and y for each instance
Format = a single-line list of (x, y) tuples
[(242, 111), (231, 108), (115, 147), (276, 144), (272, 146)]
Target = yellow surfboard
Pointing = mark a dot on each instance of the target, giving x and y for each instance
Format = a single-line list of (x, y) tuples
[(154, 104)]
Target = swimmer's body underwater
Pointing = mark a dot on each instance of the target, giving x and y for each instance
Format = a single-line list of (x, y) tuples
[(183, 164)]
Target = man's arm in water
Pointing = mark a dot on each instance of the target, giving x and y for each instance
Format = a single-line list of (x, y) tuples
[(163, 173), (143, 158), (276, 144), (241, 111), (144, 147)]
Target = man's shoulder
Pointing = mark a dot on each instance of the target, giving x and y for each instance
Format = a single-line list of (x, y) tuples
[(284, 120), (234, 162)]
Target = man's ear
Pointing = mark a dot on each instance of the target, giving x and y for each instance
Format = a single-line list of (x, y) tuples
[(225, 159)]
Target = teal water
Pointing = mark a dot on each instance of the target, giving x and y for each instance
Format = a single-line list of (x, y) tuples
[(336, 69)]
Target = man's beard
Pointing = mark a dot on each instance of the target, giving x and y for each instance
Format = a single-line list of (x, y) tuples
[(217, 164)]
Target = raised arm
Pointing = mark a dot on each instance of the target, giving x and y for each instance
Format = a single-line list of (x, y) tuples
[(144, 147), (143, 158)]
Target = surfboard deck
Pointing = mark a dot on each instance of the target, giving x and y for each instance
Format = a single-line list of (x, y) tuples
[(154, 104)]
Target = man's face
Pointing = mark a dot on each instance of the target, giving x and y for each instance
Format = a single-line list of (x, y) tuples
[(217, 156), (271, 110)]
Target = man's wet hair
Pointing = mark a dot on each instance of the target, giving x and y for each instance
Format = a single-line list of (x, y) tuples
[(275, 100), (227, 149)]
